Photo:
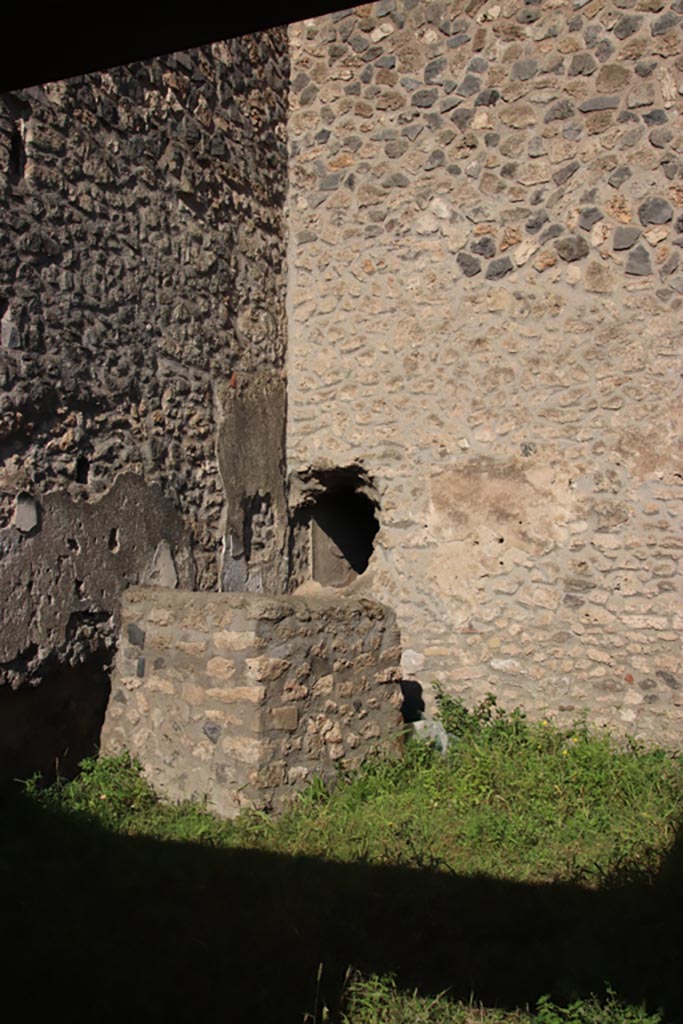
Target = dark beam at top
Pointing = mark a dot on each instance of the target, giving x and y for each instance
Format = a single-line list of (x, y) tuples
[(59, 40)]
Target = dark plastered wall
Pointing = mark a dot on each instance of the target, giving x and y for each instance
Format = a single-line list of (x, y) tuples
[(141, 276), (251, 454)]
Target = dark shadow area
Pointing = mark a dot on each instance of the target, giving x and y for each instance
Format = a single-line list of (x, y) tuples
[(333, 525), (347, 518), (413, 705), (106, 928), (50, 728), (73, 37)]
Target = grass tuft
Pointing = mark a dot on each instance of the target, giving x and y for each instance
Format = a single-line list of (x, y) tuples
[(378, 1000)]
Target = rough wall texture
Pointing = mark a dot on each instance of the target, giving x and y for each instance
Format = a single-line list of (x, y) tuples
[(486, 217), (142, 310), (241, 698)]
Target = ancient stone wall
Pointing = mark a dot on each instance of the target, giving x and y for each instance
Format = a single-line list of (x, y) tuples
[(142, 309), (486, 222), (242, 699)]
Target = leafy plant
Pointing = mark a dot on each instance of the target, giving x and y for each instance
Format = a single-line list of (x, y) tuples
[(592, 1011)]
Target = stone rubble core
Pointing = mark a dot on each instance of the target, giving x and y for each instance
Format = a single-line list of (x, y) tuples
[(242, 699), (142, 337)]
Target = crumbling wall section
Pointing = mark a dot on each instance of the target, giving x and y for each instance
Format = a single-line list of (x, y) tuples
[(141, 299), (243, 699), (485, 299), (140, 292)]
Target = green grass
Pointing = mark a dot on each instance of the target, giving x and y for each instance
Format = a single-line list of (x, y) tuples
[(512, 800), (378, 1000), (510, 880)]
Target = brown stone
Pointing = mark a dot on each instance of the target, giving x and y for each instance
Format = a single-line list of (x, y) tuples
[(518, 115), (511, 236), (598, 277), (231, 640), (619, 209), (612, 78), (237, 694), (599, 121), (545, 260), (220, 668), (265, 669)]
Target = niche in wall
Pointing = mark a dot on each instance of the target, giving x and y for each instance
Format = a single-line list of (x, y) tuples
[(335, 525)]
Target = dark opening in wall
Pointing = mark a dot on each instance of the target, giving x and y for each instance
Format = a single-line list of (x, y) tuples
[(82, 469), (17, 155), (413, 706), (338, 518), (344, 528), (49, 728)]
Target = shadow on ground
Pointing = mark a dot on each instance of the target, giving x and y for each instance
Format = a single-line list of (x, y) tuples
[(107, 928)]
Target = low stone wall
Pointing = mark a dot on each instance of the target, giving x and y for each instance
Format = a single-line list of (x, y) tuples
[(242, 699)]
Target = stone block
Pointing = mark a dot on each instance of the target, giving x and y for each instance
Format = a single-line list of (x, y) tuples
[(192, 694), (285, 718), (237, 694), (265, 669), (229, 640), (159, 685), (246, 730), (219, 668)]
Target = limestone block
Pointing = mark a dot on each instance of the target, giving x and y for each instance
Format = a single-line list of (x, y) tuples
[(218, 668)]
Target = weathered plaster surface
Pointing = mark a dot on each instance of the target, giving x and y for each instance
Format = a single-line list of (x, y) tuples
[(486, 217)]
